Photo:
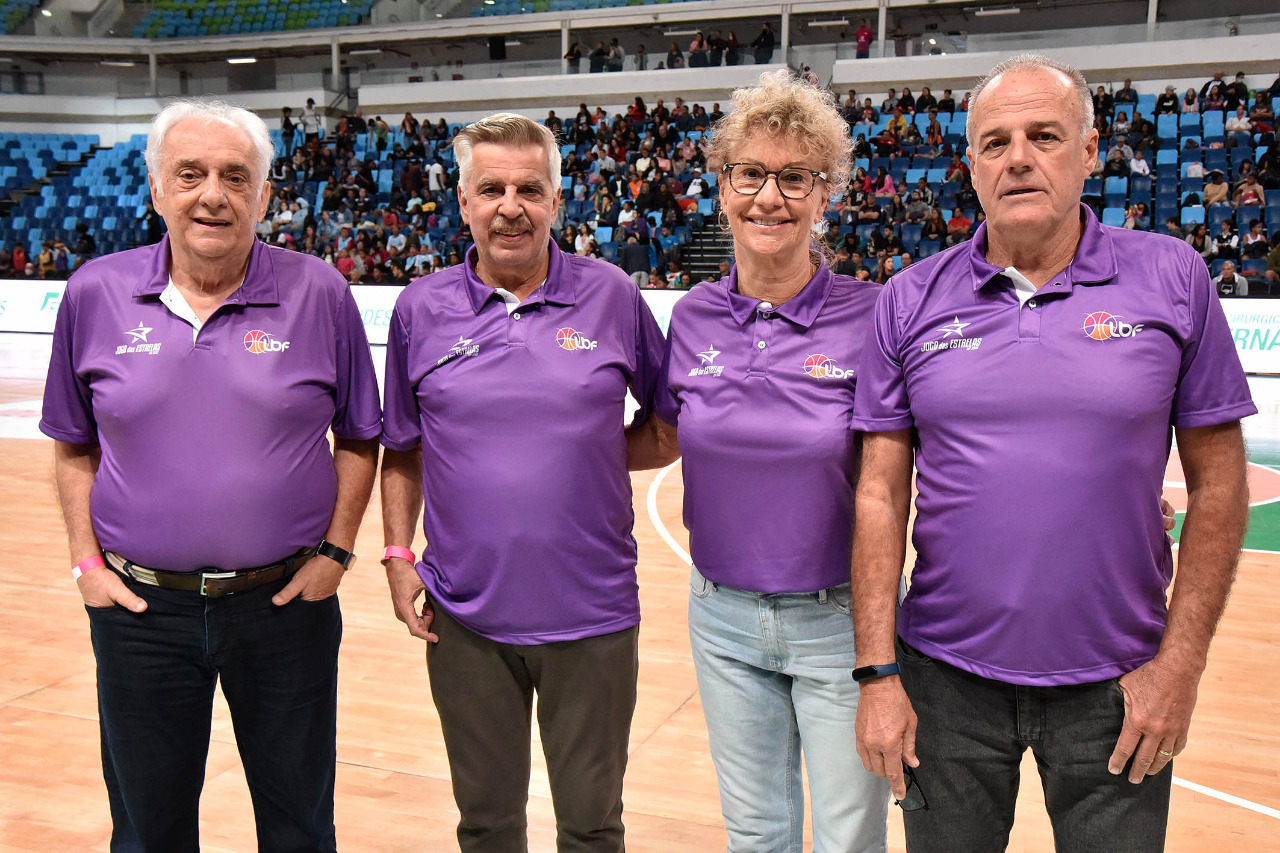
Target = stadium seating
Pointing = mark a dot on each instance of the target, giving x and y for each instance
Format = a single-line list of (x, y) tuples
[(14, 12), (189, 18)]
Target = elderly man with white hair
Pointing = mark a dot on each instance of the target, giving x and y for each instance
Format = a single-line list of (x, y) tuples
[(191, 391)]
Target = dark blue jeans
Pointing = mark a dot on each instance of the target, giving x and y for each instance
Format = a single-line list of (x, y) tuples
[(971, 736), (156, 675)]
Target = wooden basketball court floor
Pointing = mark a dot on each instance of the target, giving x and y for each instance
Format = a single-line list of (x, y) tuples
[(393, 789)]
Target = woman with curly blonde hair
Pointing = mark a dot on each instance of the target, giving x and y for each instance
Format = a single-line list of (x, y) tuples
[(759, 387)]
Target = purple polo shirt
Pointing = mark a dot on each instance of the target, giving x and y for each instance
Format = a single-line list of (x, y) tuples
[(763, 400), (527, 500), (1043, 436), (214, 452)]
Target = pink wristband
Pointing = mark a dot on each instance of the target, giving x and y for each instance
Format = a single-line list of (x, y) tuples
[(87, 565), (398, 551)]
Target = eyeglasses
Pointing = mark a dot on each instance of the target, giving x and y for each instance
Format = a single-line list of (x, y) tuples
[(794, 182)]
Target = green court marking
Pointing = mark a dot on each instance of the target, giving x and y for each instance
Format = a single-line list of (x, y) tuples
[(1264, 528)]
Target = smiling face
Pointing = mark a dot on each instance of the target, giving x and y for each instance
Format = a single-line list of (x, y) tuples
[(767, 224), (1029, 154), (509, 202), (208, 191)]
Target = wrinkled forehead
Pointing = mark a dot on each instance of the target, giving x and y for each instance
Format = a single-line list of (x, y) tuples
[(207, 139)]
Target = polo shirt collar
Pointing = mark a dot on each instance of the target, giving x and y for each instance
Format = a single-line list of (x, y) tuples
[(1094, 261), (259, 286), (560, 288), (802, 309)]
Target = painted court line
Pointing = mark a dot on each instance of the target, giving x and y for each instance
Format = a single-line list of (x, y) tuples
[(651, 502)]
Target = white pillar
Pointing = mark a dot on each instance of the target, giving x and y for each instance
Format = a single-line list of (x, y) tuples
[(882, 25), (564, 46)]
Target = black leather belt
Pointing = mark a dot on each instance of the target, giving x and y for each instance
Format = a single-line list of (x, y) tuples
[(210, 584)]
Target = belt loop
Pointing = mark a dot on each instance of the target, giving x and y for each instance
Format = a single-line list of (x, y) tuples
[(822, 596)]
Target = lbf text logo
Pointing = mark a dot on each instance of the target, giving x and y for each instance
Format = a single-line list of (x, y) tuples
[(568, 339), (1102, 326), (258, 342)]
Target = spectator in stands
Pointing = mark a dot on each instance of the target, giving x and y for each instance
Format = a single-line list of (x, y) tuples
[(1249, 193), (1190, 103), (1236, 93), (716, 45), (917, 210), (1239, 123), (1215, 101), (1121, 126), (1126, 94), (1261, 114), (617, 55), (1136, 217), (964, 104), (1167, 103), (698, 51), (1139, 165), (574, 57), (907, 101), (934, 227), (1228, 283), (863, 36), (1273, 262), (675, 57), (762, 45), (947, 104), (1116, 164), (1103, 103), (1200, 240), (926, 101), (1227, 242), (286, 130), (808, 75), (884, 269), (656, 281), (634, 259), (1269, 168), (959, 227), (1254, 243), (312, 126), (899, 42), (596, 61)]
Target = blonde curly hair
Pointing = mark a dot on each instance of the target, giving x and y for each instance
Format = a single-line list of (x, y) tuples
[(780, 105)]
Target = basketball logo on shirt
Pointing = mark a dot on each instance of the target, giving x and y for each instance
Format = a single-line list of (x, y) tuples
[(258, 342), (572, 340), (1102, 326), (821, 367)]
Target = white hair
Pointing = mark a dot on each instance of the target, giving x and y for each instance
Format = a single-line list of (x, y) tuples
[(506, 129), (209, 111), (1033, 62)]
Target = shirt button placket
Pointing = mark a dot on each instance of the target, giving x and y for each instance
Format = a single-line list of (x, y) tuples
[(1029, 319), (518, 327), (763, 328)]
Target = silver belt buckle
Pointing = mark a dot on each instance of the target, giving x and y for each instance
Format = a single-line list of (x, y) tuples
[(205, 577)]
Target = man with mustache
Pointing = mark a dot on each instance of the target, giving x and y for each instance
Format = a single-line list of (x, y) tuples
[(506, 387)]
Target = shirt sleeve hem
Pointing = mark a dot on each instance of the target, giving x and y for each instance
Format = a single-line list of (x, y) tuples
[(882, 424), (68, 437), (405, 444), (1214, 417), (360, 433)]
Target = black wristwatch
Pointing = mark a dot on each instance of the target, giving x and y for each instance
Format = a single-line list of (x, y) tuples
[(880, 670), (338, 555)]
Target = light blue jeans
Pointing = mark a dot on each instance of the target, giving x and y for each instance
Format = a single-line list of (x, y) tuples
[(774, 676)]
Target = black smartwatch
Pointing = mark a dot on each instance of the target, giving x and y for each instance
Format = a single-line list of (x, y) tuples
[(880, 670), (338, 555)]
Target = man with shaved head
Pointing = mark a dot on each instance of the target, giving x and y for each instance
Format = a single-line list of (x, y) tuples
[(1034, 375)]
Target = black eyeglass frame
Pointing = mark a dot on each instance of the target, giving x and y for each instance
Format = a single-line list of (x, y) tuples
[(729, 167)]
